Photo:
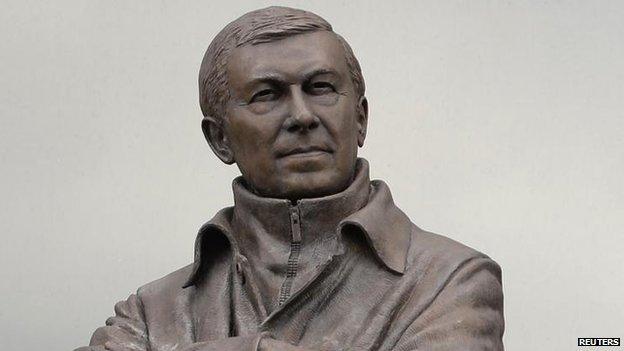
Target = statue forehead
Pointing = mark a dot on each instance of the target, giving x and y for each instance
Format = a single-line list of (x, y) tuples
[(296, 53)]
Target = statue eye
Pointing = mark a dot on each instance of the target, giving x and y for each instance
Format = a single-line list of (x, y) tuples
[(264, 95), (320, 88)]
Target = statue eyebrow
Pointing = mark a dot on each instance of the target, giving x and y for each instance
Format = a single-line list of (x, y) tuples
[(268, 78), (279, 80), (319, 71)]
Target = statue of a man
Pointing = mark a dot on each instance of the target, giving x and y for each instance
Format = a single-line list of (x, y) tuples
[(313, 255)]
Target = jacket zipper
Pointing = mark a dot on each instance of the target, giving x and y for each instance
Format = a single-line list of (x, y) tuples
[(293, 258)]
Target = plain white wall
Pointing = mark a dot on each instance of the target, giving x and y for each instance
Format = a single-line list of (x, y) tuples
[(499, 124)]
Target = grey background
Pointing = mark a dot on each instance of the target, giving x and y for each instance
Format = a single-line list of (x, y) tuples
[(499, 124)]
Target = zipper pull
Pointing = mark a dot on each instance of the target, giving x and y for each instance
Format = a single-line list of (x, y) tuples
[(295, 224)]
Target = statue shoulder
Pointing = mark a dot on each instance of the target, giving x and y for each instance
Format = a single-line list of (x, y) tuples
[(166, 287), (431, 249)]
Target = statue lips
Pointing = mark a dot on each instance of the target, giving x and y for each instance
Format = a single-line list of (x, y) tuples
[(306, 158), (304, 151)]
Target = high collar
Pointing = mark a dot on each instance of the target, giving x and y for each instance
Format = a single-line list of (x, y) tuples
[(259, 219), (364, 205)]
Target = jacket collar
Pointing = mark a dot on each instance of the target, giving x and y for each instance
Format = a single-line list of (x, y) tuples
[(263, 224), (386, 228)]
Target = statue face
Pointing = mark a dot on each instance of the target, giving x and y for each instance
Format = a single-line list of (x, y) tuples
[(293, 122)]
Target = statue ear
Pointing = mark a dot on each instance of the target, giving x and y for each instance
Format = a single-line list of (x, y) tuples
[(217, 139), (362, 120)]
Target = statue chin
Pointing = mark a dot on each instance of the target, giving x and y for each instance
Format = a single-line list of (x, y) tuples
[(303, 186)]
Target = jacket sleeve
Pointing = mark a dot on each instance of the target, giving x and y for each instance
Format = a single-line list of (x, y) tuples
[(257, 342), (126, 331), (466, 315)]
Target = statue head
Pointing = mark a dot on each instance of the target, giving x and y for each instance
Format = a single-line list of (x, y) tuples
[(283, 97)]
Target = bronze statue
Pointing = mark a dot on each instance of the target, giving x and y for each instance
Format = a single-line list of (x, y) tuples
[(313, 255)]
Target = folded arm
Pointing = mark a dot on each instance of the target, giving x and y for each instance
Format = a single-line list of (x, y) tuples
[(126, 331), (466, 315)]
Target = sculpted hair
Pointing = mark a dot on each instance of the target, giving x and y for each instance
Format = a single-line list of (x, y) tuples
[(257, 27)]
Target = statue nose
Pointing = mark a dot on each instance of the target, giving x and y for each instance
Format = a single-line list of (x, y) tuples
[(301, 117)]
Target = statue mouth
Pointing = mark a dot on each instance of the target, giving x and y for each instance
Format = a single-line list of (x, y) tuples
[(305, 151)]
